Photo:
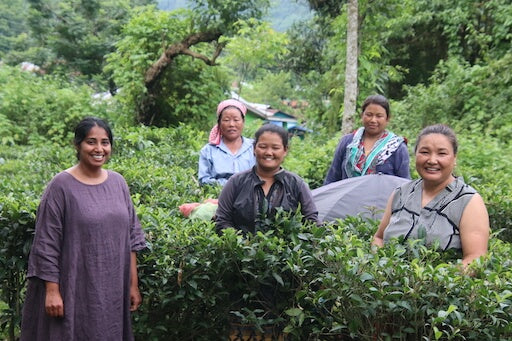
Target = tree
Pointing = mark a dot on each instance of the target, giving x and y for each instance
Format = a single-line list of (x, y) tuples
[(327, 8), (255, 47), (185, 95), (271, 88), (12, 23), (78, 33), (372, 58), (199, 38), (306, 47), (350, 97)]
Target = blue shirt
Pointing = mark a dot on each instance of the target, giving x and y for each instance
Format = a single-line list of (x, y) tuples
[(217, 163)]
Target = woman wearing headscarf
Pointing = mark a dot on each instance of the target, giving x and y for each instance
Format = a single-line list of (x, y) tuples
[(227, 151), (371, 149)]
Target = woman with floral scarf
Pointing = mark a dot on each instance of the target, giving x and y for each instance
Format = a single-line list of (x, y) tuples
[(370, 149)]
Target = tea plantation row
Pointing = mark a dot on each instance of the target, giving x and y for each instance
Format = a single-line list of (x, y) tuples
[(313, 283)]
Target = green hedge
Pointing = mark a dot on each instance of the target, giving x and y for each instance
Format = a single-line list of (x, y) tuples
[(317, 283), (42, 109)]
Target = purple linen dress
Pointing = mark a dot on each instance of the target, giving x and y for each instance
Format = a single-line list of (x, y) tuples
[(83, 239)]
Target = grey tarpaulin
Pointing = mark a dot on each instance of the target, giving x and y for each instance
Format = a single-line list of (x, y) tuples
[(363, 195)]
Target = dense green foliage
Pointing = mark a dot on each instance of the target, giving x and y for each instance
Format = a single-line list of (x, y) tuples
[(184, 89), (12, 24), (69, 37), (181, 64), (247, 59), (438, 61), (282, 13), (474, 100), (313, 282), (44, 109), (402, 45)]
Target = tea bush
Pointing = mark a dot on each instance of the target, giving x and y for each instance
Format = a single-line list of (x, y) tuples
[(311, 282), (406, 292), (17, 214), (315, 282), (478, 163), (25, 172), (311, 157), (38, 109)]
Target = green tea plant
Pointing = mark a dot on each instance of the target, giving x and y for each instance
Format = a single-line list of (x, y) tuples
[(312, 156), (404, 291), (38, 109), (16, 229), (305, 281)]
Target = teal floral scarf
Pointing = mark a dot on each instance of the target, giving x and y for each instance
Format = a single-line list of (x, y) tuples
[(359, 164)]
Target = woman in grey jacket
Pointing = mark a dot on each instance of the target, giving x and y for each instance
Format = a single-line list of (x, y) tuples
[(252, 197)]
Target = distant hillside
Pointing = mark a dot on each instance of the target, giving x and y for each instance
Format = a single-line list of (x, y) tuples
[(282, 14)]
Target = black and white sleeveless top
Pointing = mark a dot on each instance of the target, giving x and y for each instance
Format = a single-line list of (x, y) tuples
[(437, 221)]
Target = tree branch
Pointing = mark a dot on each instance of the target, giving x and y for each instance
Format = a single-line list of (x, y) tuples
[(202, 57), (183, 47)]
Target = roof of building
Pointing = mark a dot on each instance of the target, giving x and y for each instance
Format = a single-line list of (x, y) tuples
[(265, 111)]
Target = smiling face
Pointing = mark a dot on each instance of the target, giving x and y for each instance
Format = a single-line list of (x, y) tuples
[(270, 152), (435, 159), (231, 123), (95, 149), (375, 120)]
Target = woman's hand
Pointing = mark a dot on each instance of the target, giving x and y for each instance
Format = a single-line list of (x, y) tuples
[(378, 238), (377, 241), (53, 304), (135, 297)]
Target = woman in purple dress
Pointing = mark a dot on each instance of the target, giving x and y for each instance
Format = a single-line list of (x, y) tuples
[(82, 273)]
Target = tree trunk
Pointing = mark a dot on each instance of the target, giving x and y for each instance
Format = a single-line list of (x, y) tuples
[(350, 93)]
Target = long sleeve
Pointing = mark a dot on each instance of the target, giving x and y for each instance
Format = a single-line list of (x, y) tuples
[(205, 173), (308, 207), (335, 172), (402, 162), (46, 248), (224, 213), (137, 238)]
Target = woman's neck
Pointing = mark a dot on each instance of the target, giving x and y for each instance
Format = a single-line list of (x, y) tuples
[(88, 175), (268, 178), (267, 174), (233, 145), (369, 142), (431, 189)]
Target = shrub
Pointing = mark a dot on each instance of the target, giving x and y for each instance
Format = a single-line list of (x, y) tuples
[(406, 292), (471, 99), (42, 109), (317, 283), (16, 227), (311, 157), (312, 282)]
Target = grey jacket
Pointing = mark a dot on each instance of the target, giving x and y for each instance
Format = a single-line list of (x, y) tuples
[(243, 205)]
